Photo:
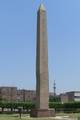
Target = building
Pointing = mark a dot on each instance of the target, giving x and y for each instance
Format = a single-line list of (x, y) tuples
[(26, 95), (8, 93), (64, 98), (13, 94), (18, 95), (70, 96)]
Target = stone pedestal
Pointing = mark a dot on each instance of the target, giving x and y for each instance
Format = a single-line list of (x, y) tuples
[(42, 113)]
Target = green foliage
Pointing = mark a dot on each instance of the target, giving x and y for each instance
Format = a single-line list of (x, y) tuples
[(17, 105), (54, 99), (28, 105), (66, 107), (58, 106), (55, 105)]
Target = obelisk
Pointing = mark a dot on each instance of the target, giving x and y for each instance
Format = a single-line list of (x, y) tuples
[(42, 79)]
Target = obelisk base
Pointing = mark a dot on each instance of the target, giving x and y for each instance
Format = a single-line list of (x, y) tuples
[(42, 113)]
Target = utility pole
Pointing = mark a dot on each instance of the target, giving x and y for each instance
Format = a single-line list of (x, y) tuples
[(54, 88)]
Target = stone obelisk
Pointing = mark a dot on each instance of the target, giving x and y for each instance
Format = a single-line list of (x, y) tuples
[(42, 88), (42, 79)]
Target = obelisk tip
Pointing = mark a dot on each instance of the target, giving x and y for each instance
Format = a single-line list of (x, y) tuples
[(42, 7)]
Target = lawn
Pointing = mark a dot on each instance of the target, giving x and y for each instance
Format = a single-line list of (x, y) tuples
[(26, 117), (12, 117)]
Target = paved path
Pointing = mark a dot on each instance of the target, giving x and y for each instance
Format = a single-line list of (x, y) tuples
[(64, 118)]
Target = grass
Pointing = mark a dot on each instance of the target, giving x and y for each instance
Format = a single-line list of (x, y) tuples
[(12, 117), (16, 117), (26, 117)]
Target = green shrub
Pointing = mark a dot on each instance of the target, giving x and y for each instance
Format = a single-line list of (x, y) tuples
[(58, 106), (66, 107)]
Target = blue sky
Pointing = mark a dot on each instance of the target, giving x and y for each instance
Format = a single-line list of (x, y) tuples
[(18, 43)]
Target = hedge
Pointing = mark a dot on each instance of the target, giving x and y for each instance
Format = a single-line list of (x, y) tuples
[(58, 106), (66, 107), (16, 105)]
